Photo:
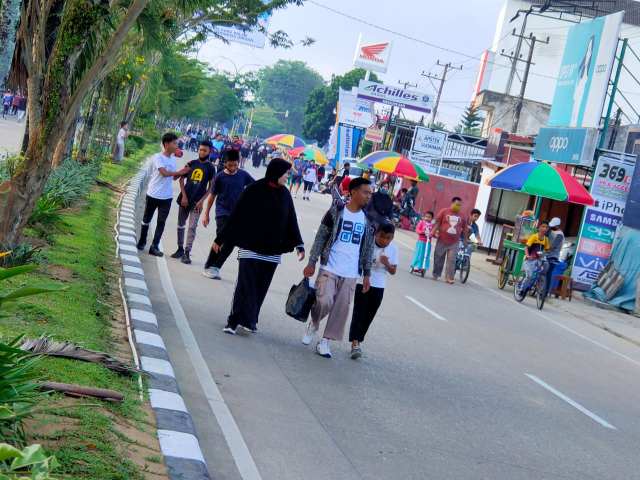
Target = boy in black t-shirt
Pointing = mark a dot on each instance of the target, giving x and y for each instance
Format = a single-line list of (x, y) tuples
[(193, 189)]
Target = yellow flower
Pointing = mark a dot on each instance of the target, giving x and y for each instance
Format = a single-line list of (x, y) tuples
[(4, 254)]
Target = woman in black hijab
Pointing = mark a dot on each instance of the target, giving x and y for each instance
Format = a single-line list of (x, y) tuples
[(263, 225)]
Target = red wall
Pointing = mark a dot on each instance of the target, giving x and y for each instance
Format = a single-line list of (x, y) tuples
[(438, 192)]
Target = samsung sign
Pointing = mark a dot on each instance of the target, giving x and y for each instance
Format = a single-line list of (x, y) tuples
[(574, 146)]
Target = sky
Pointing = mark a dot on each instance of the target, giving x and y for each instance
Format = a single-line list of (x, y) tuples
[(464, 26)]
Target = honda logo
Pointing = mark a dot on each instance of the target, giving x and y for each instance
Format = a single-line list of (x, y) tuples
[(558, 143), (373, 52)]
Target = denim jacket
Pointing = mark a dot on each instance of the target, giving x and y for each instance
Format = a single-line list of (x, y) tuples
[(328, 234)]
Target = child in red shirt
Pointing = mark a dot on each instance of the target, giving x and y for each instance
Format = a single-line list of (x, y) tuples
[(424, 229)]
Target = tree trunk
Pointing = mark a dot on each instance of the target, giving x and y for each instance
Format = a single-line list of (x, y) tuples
[(89, 121), (9, 17), (53, 100)]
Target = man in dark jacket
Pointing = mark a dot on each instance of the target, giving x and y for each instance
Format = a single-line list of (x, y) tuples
[(344, 246)]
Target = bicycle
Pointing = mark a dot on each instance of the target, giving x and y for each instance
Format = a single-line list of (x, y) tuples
[(536, 285), (463, 261)]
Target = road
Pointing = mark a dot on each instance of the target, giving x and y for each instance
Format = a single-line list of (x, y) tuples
[(458, 382)]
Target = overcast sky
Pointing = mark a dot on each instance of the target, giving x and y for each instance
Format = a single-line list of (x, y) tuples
[(465, 26)]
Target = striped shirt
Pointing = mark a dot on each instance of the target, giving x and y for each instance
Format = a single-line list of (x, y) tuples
[(248, 254)]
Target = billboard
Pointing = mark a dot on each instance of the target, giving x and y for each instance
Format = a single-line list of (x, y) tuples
[(610, 187), (584, 74), (428, 142), (255, 36), (397, 96), (373, 56), (354, 111), (573, 146)]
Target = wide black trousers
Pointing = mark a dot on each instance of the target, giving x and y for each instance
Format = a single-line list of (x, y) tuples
[(254, 280), (365, 307), (217, 259)]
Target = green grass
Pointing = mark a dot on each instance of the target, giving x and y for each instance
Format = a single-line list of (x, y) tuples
[(82, 253)]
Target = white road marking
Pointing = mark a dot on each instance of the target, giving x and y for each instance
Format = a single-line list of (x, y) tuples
[(143, 315), (237, 446), (573, 403), (560, 325), (149, 338), (135, 283), (166, 400), (179, 444), (157, 365), (426, 309)]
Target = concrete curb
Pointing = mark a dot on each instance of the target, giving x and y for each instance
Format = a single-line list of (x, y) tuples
[(176, 433)]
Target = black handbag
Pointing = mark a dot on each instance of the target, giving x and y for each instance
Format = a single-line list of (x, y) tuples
[(300, 300)]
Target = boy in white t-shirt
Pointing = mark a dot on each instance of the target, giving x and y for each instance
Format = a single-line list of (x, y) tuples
[(366, 304)]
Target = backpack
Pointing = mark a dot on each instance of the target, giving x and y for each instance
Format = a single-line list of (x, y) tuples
[(379, 208)]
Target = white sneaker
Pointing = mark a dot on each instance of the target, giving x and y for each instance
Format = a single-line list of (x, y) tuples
[(212, 272), (323, 349), (309, 334)]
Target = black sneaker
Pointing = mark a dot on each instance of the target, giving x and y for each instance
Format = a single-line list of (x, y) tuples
[(356, 353), (186, 258), (155, 251), (178, 253), (140, 246)]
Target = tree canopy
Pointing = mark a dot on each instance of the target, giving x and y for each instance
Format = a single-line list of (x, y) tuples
[(318, 113), (470, 121), (285, 87)]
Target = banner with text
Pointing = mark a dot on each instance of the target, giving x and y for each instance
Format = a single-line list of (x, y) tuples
[(255, 36), (397, 96), (429, 142), (354, 111), (610, 187), (584, 72)]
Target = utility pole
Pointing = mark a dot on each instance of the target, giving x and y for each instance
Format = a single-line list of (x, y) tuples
[(532, 40), (443, 78)]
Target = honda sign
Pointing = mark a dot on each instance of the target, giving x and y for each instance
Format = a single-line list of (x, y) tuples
[(373, 56)]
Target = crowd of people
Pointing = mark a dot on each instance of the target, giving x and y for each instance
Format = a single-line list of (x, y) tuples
[(14, 104), (353, 252)]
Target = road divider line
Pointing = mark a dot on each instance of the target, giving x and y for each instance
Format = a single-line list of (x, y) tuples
[(426, 309), (560, 325), (237, 446), (571, 402)]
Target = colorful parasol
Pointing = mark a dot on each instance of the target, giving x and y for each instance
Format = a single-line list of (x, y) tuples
[(310, 153), (396, 164), (285, 140), (542, 180)]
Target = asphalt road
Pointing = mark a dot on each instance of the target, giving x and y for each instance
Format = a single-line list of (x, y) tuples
[(457, 382)]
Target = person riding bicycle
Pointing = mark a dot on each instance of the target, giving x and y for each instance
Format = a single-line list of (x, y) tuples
[(536, 245)]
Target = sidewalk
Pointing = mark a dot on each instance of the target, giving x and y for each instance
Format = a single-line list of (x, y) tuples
[(11, 134), (622, 325)]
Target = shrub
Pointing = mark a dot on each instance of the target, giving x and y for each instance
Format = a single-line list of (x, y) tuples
[(20, 254)]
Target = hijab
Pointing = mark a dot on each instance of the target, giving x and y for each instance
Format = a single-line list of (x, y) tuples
[(264, 219)]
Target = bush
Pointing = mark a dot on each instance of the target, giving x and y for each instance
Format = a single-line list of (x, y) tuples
[(9, 166), (20, 254), (134, 143)]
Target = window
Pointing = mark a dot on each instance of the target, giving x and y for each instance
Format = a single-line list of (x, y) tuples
[(511, 205)]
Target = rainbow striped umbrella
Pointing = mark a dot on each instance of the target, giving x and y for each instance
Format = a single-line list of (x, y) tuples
[(394, 163), (310, 153), (285, 140), (542, 180)]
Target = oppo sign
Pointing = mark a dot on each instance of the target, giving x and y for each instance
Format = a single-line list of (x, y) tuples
[(575, 146)]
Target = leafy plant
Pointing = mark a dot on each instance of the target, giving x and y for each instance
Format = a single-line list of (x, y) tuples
[(29, 463), (20, 254), (18, 388), (9, 165)]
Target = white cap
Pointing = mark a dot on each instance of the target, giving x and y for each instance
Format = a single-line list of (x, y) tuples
[(555, 222)]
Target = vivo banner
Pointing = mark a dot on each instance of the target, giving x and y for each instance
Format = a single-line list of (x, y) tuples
[(347, 142), (574, 146), (610, 188), (399, 97), (372, 56), (354, 111), (428, 142), (255, 36), (584, 72)]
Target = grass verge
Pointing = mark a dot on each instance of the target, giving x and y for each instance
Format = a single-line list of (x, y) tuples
[(85, 436)]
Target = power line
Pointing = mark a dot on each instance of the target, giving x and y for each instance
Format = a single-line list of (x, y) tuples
[(409, 37), (443, 78)]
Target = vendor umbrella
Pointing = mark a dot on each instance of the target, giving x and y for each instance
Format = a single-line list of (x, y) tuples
[(542, 180), (285, 140), (395, 164), (310, 153)]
